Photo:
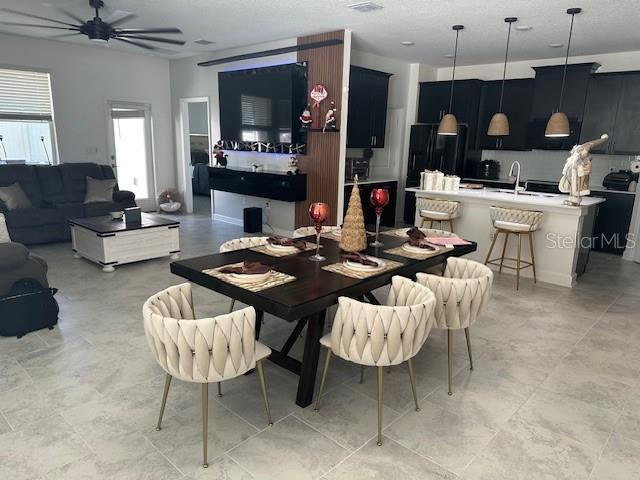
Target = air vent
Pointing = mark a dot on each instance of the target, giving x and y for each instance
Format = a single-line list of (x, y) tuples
[(202, 41), (365, 7)]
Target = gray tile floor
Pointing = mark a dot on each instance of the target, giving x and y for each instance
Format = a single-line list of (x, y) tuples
[(554, 395)]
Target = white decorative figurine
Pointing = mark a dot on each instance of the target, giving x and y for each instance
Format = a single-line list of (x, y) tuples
[(576, 171)]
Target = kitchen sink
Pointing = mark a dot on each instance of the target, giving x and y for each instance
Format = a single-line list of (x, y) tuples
[(523, 192)]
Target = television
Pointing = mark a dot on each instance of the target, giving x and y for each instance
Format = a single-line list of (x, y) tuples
[(263, 105)]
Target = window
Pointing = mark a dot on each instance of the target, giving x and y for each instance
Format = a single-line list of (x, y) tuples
[(26, 117)]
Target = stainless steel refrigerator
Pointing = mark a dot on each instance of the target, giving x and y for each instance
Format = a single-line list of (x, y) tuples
[(430, 151)]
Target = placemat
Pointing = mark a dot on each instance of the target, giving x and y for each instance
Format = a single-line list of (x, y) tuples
[(429, 232), (276, 278), (273, 253), (347, 272), (401, 252)]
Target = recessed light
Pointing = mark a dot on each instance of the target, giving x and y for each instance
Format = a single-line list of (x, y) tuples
[(524, 28), (448, 55), (365, 6), (408, 43), (555, 45), (202, 41)]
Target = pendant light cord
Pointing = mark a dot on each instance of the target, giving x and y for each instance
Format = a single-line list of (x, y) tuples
[(504, 71), (566, 62), (453, 77)]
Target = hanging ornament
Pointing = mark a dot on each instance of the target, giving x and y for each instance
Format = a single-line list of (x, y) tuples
[(305, 119), (318, 94), (330, 118)]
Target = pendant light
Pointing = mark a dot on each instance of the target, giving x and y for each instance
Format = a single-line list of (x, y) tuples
[(558, 125), (449, 123), (499, 125)]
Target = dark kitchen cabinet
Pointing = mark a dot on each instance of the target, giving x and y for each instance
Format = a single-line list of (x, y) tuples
[(516, 105), (612, 221), (433, 103), (546, 95), (613, 107), (388, 218), (368, 96)]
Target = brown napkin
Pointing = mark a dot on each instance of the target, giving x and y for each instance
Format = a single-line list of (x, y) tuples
[(247, 268), (420, 243), (415, 233), (359, 258), (287, 242)]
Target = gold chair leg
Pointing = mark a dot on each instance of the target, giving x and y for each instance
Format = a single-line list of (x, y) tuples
[(533, 257), (205, 422), (412, 377), (361, 374), (466, 334), (233, 304), (327, 359), (450, 358), (380, 389), (431, 224), (219, 389), (504, 249), (423, 222), (451, 225), (263, 387), (518, 261), (167, 384), (493, 243)]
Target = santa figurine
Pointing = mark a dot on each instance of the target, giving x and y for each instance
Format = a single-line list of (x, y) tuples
[(305, 119), (330, 118)]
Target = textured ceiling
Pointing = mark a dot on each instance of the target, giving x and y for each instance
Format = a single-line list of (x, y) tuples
[(601, 28)]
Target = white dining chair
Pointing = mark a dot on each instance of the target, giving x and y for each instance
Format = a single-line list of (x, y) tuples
[(461, 293), (307, 231), (201, 350), (381, 335)]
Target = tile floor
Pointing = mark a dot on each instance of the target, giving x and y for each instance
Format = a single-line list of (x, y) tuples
[(555, 393)]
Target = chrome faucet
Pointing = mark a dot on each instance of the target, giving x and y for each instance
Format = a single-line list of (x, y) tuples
[(517, 186)]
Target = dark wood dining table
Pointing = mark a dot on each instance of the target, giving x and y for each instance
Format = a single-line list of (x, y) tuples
[(305, 300)]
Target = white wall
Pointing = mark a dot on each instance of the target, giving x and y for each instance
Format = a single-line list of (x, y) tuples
[(83, 79), (610, 62)]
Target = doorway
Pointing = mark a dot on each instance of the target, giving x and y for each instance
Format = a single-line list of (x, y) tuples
[(196, 148), (131, 150)]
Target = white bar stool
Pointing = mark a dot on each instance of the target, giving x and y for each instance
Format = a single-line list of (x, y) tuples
[(434, 210)]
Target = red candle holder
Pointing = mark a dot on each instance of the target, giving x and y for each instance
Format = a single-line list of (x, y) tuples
[(379, 199), (318, 212)]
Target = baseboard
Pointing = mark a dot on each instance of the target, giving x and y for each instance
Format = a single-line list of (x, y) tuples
[(225, 219)]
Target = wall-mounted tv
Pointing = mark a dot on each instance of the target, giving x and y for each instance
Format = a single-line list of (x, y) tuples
[(261, 106)]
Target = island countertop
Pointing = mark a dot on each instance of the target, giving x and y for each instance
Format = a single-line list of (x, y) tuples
[(522, 200)]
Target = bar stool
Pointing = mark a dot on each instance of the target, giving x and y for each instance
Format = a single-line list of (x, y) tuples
[(511, 221), (434, 210)]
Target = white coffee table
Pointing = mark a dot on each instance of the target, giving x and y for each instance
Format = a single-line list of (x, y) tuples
[(110, 242)]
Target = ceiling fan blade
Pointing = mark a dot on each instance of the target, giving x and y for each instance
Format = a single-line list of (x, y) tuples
[(151, 39), (137, 44), (118, 21), (16, 24), (31, 15), (70, 15), (148, 30), (64, 35)]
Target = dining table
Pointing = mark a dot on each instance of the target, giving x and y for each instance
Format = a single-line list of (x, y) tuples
[(304, 301)]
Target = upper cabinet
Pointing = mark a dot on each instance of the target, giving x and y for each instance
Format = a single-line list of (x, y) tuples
[(546, 95), (516, 105), (433, 103), (368, 95), (613, 107)]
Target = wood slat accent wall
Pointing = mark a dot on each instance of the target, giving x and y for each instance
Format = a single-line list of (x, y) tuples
[(321, 164)]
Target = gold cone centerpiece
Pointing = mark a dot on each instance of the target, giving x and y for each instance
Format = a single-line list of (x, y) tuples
[(557, 126), (354, 237), (499, 125)]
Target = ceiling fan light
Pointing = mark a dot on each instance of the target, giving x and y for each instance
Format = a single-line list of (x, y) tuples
[(557, 126), (499, 125), (448, 125)]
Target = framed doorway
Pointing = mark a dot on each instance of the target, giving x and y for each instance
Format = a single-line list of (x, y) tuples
[(131, 149), (195, 154)]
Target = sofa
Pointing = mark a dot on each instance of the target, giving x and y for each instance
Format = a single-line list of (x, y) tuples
[(26, 300), (57, 194)]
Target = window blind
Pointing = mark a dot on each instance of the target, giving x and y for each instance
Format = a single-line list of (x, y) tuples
[(25, 95), (256, 111)]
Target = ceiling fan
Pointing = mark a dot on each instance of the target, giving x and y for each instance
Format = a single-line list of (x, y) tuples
[(99, 30)]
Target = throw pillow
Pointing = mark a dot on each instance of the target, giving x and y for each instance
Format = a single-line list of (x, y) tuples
[(4, 233), (99, 190), (14, 197)]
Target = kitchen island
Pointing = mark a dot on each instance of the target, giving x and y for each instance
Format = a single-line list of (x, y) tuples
[(562, 243)]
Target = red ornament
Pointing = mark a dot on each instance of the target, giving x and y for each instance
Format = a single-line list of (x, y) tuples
[(379, 199), (319, 212), (318, 94)]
